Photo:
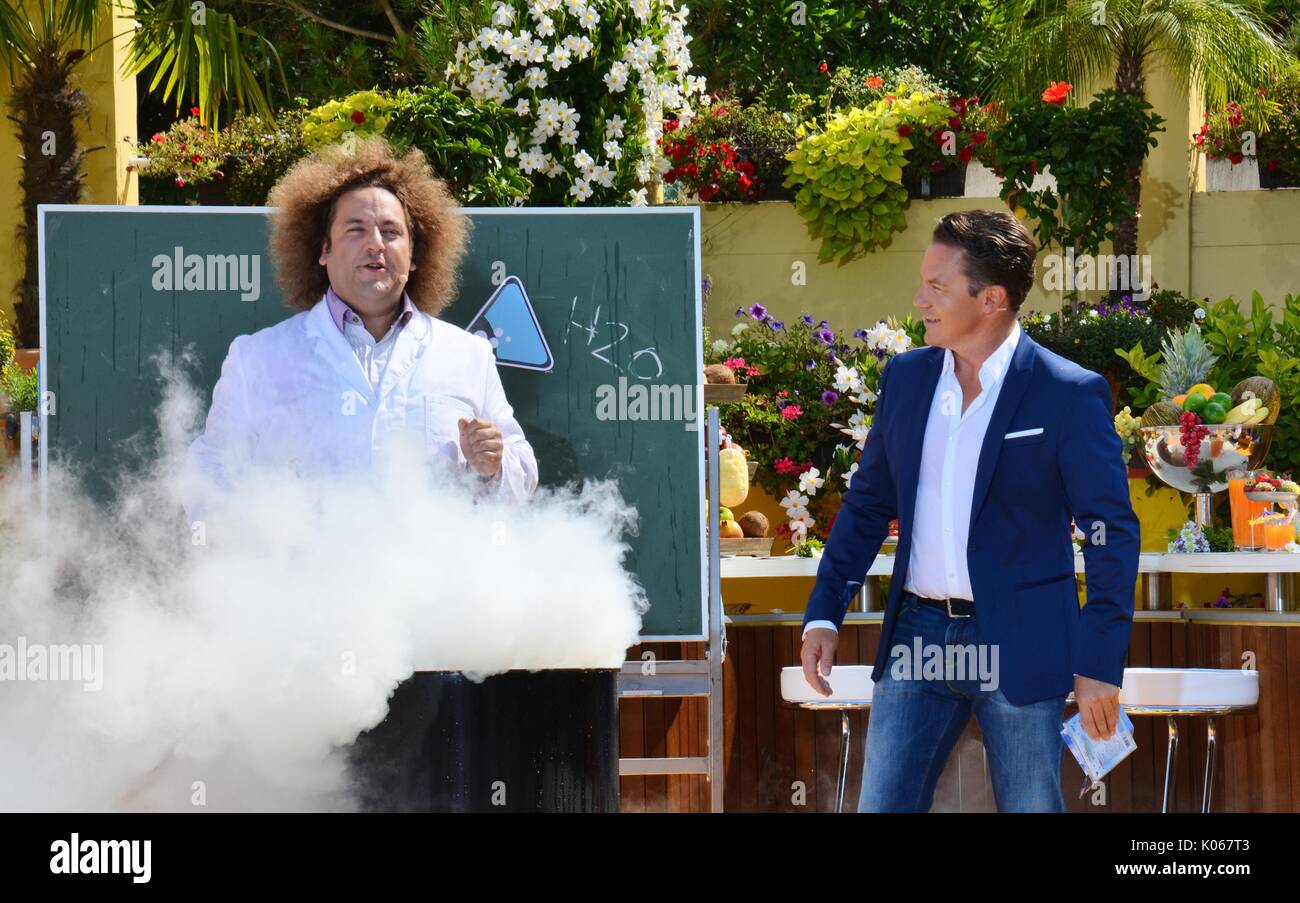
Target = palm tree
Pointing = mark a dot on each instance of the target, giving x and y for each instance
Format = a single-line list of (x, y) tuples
[(1220, 47), (43, 42)]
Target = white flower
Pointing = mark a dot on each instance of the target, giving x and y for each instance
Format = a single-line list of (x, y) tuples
[(512, 146), (643, 170), (612, 150), (1093, 313), (641, 9), (801, 521), (502, 15), (522, 107), (569, 135), (794, 501), (583, 161), (536, 78), (536, 52), (847, 379), (559, 58), (1200, 314), (556, 170), (739, 328), (614, 126), (575, 6), (534, 160), (603, 174), (616, 78), (899, 342), (810, 481), (588, 18), (545, 26), (719, 345), (848, 477), (581, 189)]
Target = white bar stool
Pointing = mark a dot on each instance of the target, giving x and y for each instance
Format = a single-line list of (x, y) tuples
[(851, 687), (1196, 692)]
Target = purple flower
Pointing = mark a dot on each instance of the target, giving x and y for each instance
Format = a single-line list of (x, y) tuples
[(780, 404), (776, 325), (825, 336), (740, 311), (807, 319), (829, 397), (860, 334), (810, 365), (757, 311), (823, 324)]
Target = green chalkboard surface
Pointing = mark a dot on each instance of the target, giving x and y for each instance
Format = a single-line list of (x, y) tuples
[(616, 296)]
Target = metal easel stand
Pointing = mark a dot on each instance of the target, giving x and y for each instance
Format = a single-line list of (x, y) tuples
[(701, 678)]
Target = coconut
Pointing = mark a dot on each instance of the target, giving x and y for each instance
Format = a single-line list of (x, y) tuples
[(719, 374), (754, 523), (1260, 387)]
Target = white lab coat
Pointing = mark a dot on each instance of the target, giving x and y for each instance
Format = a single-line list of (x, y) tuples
[(294, 395)]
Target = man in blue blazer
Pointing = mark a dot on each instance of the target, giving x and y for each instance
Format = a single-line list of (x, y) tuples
[(984, 444)]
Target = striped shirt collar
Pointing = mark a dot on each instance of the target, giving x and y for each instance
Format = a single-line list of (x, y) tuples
[(339, 309)]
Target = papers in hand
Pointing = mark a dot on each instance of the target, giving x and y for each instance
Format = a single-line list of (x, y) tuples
[(1098, 757)]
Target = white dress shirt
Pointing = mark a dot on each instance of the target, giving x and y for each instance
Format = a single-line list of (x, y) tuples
[(946, 483)]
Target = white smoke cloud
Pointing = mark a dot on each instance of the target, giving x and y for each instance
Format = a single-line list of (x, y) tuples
[(249, 663)]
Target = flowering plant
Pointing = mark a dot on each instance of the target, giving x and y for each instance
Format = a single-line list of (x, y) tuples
[(1189, 538), (554, 62), (362, 113), (188, 152), (730, 151), (1232, 131), (809, 389)]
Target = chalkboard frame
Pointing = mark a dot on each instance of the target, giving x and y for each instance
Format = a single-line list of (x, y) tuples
[(692, 212)]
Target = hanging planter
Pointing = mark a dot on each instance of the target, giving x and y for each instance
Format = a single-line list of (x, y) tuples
[(949, 182)]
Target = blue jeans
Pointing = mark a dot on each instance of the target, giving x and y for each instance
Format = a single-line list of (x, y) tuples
[(917, 717)]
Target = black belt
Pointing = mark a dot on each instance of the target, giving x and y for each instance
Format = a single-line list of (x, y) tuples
[(955, 608)]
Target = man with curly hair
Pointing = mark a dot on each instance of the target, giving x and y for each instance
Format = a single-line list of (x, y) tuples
[(368, 246)]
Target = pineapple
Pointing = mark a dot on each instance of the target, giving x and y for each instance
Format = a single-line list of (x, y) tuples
[(1187, 361)]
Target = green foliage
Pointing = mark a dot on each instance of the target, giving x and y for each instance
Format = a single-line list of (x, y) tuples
[(19, 386), (1146, 366), (1091, 336), (1279, 147), (264, 151), (1091, 151), (757, 48), (850, 175), (359, 114)]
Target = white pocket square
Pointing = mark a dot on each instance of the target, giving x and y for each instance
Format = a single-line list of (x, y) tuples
[(1018, 433)]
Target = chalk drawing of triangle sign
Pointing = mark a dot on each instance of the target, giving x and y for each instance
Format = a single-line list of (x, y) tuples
[(509, 322)]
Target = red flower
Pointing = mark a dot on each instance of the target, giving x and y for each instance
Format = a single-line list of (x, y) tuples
[(954, 123), (1057, 91), (791, 412), (960, 106), (936, 166), (690, 142), (707, 192), (874, 82), (1271, 165), (194, 111), (158, 138), (670, 125), (721, 111), (746, 167), (823, 67), (691, 170), (1033, 167), (980, 137), (965, 153), (670, 176), (744, 182), (180, 182), (358, 116), (196, 158), (904, 130), (1236, 157)]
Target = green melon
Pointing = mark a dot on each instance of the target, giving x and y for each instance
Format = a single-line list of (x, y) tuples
[(1162, 413), (1260, 387)]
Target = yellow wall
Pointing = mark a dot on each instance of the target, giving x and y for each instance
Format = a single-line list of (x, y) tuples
[(112, 117)]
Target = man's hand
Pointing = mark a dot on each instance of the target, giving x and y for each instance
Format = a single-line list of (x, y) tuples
[(1098, 706), (482, 444), (818, 655)]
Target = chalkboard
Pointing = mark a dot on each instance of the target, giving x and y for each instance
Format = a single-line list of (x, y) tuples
[(616, 297)]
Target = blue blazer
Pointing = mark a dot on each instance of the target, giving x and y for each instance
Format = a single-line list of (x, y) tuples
[(1019, 554)]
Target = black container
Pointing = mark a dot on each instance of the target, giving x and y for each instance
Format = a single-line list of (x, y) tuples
[(949, 182), (543, 741), (1276, 178)]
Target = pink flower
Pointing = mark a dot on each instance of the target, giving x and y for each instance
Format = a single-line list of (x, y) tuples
[(785, 466), (734, 363), (791, 412), (751, 371)]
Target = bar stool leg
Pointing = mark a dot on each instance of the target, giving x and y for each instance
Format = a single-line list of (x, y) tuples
[(1171, 751), (1210, 743), (844, 761)]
